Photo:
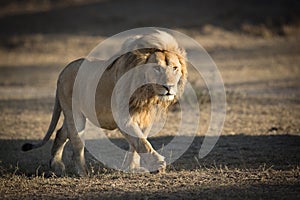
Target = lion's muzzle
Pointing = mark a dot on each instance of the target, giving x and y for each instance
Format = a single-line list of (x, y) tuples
[(167, 92)]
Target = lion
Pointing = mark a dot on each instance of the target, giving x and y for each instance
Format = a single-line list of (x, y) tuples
[(166, 65)]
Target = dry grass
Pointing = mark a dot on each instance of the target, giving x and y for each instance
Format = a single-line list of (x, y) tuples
[(214, 183)]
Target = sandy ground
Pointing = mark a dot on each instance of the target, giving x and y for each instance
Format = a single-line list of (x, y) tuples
[(256, 48)]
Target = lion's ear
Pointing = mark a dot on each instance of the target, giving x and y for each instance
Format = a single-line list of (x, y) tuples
[(183, 78), (182, 52), (143, 55), (183, 62)]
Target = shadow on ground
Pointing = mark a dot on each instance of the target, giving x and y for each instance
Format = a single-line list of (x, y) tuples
[(251, 191), (110, 17), (238, 151)]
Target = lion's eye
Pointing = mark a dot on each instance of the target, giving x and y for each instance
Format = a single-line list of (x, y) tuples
[(175, 68), (157, 68)]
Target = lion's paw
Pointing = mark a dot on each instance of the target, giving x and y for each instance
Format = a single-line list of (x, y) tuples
[(137, 170), (154, 162), (161, 167), (58, 167)]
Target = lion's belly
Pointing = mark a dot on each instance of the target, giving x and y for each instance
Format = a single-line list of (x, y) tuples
[(95, 95), (105, 118), (103, 103), (102, 115)]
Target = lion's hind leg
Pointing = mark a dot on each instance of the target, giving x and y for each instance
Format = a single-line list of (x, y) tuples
[(76, 141), (56, 163)]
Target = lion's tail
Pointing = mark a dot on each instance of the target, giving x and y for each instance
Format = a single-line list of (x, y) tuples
[(55, 117)]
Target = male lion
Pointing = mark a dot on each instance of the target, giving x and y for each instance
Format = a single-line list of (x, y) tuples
[(165, 64)]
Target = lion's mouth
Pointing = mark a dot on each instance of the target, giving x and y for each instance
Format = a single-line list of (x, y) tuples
[(166, 93), (166, 97)]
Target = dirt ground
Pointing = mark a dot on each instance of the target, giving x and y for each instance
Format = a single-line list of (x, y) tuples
[(255, 45)]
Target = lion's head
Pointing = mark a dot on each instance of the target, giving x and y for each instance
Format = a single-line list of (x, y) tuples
[(168, 72), (165, 72)]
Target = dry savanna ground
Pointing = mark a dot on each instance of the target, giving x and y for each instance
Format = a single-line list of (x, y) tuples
[(256, 48)]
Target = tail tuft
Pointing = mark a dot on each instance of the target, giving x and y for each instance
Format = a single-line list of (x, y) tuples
[(27, 147)]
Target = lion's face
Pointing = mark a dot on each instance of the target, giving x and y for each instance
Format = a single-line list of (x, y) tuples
[(166, 73)]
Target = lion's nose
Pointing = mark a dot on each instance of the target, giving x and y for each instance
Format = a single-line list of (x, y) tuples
[(168, 87)]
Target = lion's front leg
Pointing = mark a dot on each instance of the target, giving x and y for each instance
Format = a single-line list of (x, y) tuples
[(133, 161), (151, 159), (154, 162)]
